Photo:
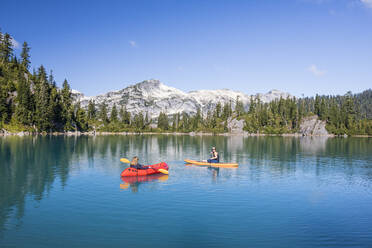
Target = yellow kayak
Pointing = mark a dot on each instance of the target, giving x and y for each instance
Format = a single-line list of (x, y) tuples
[(224, 165)]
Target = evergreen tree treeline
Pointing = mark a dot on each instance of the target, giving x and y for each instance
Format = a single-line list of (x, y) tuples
[(32, 102), (349, 114)]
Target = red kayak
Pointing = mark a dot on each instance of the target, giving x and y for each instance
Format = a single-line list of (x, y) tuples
[(131, 172)]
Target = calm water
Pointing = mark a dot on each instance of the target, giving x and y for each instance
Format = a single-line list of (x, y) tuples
[(287, 192)]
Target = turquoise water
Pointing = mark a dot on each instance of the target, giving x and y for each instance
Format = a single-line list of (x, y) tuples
[(287, 192)]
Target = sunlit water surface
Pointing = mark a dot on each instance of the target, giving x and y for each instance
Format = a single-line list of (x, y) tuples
[(287, 192)]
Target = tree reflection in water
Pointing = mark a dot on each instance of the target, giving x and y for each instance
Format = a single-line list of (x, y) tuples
[(29, 166)]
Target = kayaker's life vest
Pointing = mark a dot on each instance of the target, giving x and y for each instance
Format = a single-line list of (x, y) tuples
[(218, 157), (138, 167)]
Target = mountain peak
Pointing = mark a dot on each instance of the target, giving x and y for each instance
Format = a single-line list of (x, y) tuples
[(277, 92), (274, 91), (149, 83), (152, 96)]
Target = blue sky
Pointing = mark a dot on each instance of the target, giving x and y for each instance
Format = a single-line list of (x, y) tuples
[(299, 46)]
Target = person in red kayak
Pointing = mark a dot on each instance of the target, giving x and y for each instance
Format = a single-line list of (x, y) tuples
[(215, 158), (134, 164)]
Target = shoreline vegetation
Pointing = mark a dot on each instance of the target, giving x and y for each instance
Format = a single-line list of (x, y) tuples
[(244, 134), (31, 103)]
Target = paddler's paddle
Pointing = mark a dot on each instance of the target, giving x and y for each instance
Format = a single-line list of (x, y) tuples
[(124, 160), (161, 170)]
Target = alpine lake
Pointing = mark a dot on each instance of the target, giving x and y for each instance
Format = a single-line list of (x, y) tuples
[(63, 191)]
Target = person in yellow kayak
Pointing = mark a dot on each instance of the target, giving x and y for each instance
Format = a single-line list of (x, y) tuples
[(134, 164), (215, 158)]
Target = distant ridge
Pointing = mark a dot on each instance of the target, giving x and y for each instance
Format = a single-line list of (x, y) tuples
[(152, 96)]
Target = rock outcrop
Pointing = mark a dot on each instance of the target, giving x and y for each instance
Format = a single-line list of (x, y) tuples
[(312, 126), (235, 126), (4, 132)]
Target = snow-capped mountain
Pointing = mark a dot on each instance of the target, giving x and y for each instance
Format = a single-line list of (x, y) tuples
[(152, 97)]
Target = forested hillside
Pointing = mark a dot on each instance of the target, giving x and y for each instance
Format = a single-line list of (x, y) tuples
[(31, 101), (349, 114)]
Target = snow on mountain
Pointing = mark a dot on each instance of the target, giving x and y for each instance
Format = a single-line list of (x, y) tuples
[(152, 97), (272, 95), (78, 96)]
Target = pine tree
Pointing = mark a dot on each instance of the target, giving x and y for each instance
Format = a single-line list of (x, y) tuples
[(349, 111), (213, 119), (14, 62), (349, 105), (293, 113), (226, 111), (124, 116), (174, 123), (25, 55), (139, 121), (42, 100), (4, 107), (225, 127), (334, 115), (197, 120), (103, 113), (218, 110), (114, 114), (67, 108), (91, 110), (81, 118), (23, 112), (55, 109), (239, 107), (51, 81), (317, 105), (301, 108), (177, 120), (252, 106), (6, 48), (121, 113), (163, 122), (185, 122)]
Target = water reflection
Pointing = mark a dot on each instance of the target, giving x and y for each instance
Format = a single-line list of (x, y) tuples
[(313, 145), (134, 182), (215, 173), (29, 166)]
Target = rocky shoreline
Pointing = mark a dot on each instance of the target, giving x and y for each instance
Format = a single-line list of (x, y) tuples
[(310, 126), (92, 133)]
